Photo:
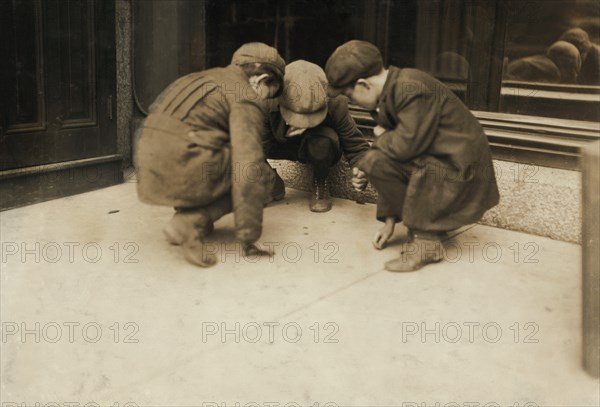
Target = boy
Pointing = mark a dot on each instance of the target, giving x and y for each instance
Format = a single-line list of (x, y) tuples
[(305, 126), (430, 161), (200, 150)]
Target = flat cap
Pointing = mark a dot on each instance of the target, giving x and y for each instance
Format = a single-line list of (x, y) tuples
[(351, 61), (253, 52), (303, 102)]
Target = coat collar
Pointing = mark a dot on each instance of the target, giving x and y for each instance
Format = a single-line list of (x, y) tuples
[(393, 73)]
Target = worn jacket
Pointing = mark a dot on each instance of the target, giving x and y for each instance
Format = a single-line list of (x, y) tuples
[(453, 183), (351, 140), (202, 140)]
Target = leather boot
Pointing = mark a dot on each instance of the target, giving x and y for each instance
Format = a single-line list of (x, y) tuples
[(320, 199), (426, 248)]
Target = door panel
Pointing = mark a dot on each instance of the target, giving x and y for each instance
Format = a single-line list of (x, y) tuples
[(76, 59), (61, 81), (23, 36)]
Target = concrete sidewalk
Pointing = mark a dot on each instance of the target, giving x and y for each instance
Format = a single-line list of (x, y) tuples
[(97, 307)]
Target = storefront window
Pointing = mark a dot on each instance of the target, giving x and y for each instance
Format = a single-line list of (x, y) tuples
[(535, 57), (299, 29), (551, 64), (453, 44), (554, 42)]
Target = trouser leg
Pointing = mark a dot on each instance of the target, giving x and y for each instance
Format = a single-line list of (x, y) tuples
[(197, 221), (321, 149), (219, 208), (321, 154), (189, 227), (390, 179)]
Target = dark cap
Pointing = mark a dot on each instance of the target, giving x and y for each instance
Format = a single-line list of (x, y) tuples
[(258, 52), (303, 103), (352, 61)]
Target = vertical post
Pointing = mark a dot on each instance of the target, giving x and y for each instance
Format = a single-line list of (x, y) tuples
[(591, 258), (197, 15), (486, 54)]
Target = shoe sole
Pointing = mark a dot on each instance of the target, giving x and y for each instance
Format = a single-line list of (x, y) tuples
[(320, 210), (408, 270)]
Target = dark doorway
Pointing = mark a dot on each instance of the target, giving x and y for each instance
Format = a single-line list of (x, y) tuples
[(60, 80), (58, 99)]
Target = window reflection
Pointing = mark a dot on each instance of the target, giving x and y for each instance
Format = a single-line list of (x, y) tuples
[(554, 42), (445, 42), (534, 57)]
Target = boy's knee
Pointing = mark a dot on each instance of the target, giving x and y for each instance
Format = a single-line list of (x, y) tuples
[(319, 148), (372, 161)]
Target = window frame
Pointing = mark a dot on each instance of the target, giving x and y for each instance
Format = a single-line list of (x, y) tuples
[(534, 140), (530, 139)]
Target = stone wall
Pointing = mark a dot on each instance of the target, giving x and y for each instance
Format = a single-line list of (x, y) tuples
[(124, 85)]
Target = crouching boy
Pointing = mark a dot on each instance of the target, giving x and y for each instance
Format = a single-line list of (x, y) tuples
[(430, 161), (305, 126), (200, 150)]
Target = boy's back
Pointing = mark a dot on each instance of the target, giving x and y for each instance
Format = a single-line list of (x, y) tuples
[(203, 112), (204, 100), (432, 121)]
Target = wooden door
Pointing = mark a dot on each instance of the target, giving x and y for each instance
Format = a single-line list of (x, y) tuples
[(58, 81)]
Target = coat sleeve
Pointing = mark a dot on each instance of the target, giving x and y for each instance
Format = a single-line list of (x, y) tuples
[(267, 135), (352, 140), (417, 118), (250, 173)]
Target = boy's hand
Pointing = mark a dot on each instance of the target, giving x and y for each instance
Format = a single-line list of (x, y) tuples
[(295, 131), (359, 179), (384, 234), (252, 250), (378, 131)]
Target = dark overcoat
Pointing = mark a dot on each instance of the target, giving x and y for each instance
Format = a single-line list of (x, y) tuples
[(452, 181), (201, 141)]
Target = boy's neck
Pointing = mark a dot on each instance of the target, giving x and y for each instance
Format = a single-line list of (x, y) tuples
[(378, 81)]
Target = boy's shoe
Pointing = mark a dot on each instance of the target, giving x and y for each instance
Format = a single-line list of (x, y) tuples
[(425, 248), (183, 226), (320, 199), (278, 192), (194, 251), (188, 229)]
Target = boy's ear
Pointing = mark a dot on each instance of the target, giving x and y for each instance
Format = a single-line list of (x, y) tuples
[(257, 79), (363, 82)]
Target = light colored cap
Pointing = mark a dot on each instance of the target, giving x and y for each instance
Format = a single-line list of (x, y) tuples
[(303, 102)]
